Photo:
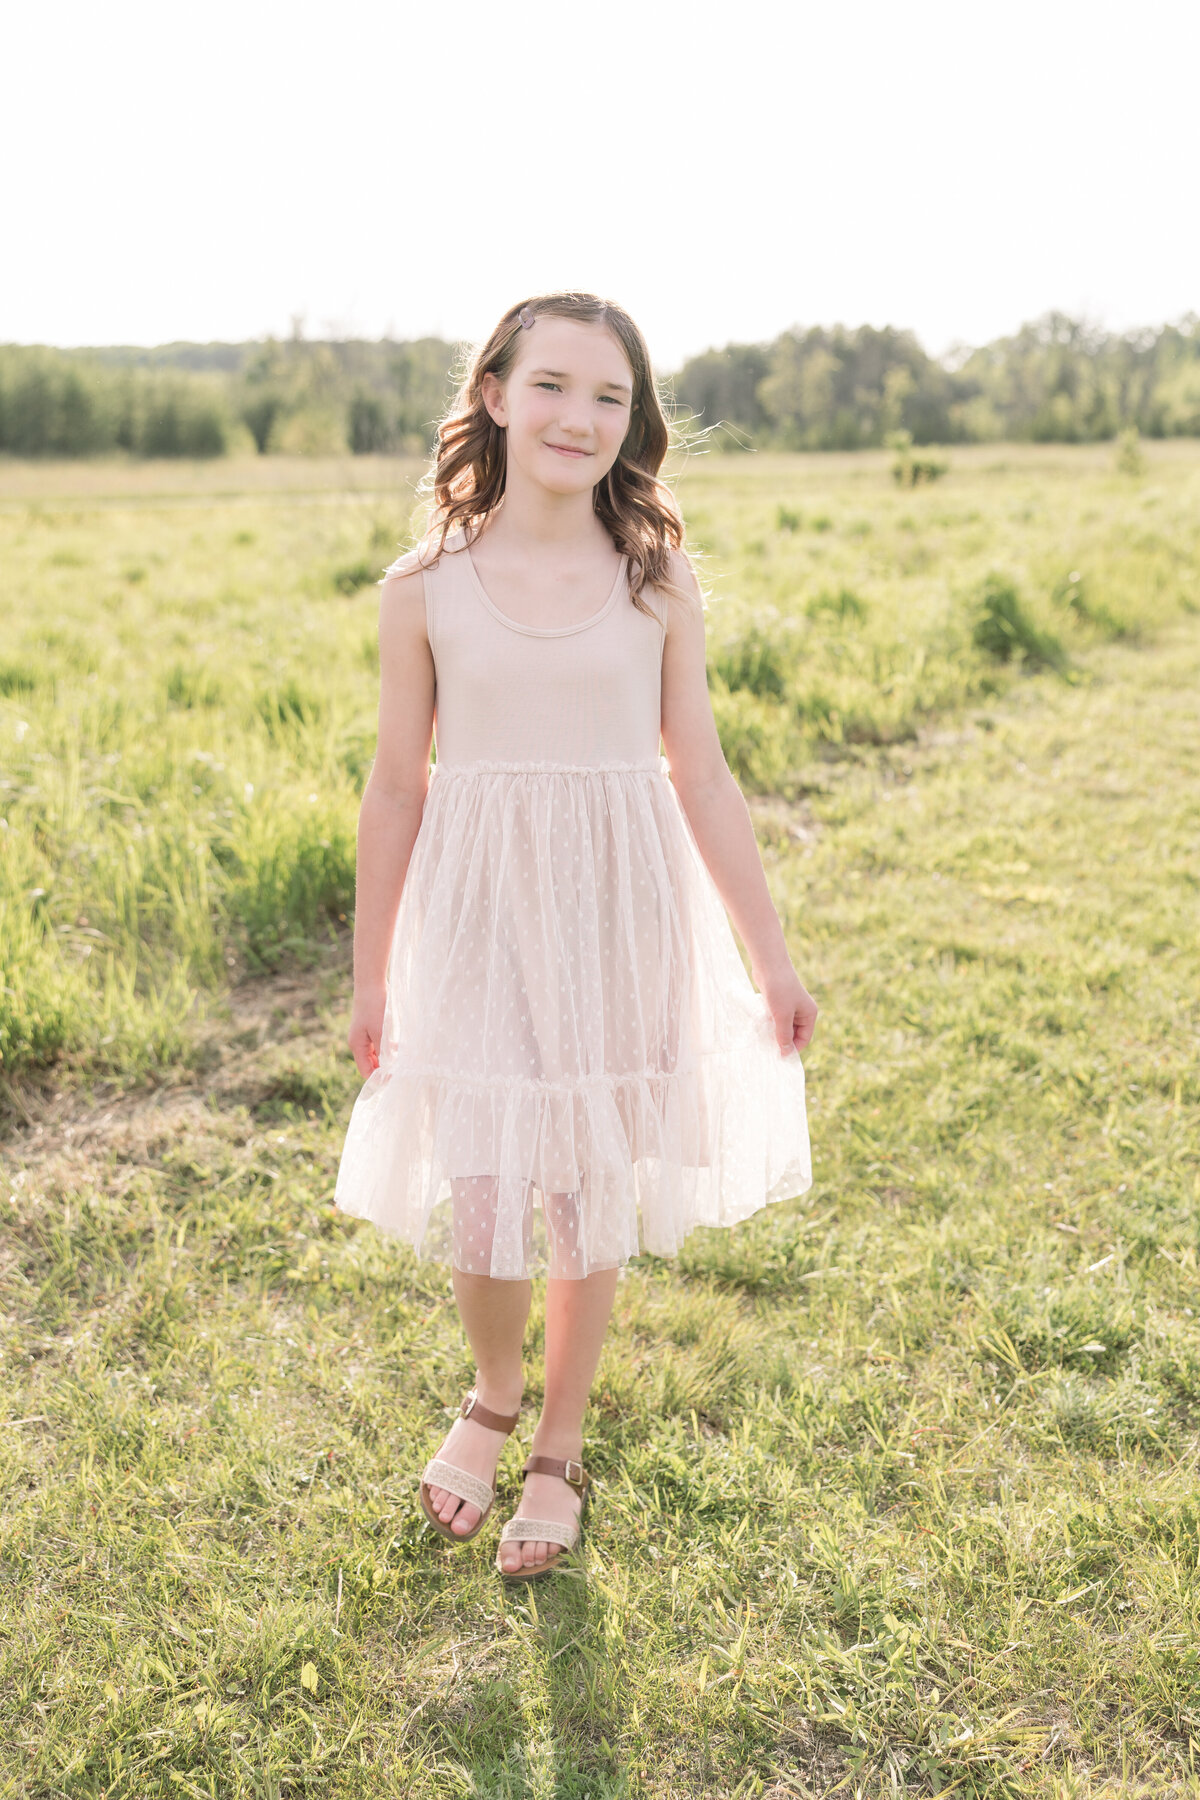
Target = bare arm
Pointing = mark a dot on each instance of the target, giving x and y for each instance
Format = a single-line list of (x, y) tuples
[(720, 819), (392, 803)]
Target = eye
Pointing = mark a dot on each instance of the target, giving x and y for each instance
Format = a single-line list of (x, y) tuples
[(610, 398)]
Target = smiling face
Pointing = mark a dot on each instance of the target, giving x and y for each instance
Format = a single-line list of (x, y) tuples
[(565, 403)]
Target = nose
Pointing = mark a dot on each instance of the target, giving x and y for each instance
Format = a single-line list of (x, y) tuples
[(575, 420)]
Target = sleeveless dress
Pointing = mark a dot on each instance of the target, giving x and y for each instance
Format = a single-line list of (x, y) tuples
[(575, 1066)]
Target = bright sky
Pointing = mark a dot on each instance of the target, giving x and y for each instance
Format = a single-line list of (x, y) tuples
[(210, 171)]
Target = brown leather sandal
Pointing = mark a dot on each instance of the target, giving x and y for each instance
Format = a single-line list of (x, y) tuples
[(460, 1481), (550, 1531)]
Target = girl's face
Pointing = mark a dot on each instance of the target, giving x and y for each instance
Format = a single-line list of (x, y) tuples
[(565, 404)]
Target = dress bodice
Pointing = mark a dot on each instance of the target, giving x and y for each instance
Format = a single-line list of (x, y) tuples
[(586, 694)]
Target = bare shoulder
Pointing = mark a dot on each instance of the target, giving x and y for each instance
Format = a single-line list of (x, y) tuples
[(406, 574), (402, 603), (684, 598)]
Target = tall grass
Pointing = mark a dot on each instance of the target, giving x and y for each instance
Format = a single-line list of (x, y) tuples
[(188, 690)]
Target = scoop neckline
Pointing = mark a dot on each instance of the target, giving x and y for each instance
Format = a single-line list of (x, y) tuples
[(543, 630)]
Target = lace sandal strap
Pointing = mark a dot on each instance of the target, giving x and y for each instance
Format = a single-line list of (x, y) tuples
[(473, 1408), (565, 1467), (438, 1473), (549, 1531)]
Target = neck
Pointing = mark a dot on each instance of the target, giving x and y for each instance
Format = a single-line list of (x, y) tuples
[(544, 520)]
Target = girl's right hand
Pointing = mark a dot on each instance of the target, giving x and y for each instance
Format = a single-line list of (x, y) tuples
[(366, 1028)]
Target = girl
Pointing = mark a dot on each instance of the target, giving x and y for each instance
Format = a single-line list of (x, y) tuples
[(565, 1063)]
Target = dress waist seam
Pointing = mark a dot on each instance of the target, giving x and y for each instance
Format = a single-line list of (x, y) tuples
[(656, 765)]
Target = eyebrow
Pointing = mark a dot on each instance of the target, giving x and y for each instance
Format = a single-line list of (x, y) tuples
[(621, 387)]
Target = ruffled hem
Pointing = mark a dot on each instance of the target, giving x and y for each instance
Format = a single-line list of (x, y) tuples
[(512, 1178), (575, 1066)]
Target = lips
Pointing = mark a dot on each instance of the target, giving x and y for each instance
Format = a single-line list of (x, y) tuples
[(566, 450)]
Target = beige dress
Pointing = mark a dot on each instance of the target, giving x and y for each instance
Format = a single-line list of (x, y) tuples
[(575, 1067)]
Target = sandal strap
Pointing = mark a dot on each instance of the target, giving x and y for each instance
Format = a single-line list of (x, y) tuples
[(461, 1482), (473, 1408), (565, 1467), (548, 1531)]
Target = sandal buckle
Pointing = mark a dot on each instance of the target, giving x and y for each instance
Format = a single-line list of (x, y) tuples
[(576, 1480), (468, 1405)]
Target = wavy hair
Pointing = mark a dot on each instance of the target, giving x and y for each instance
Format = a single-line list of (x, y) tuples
[(467, 476)]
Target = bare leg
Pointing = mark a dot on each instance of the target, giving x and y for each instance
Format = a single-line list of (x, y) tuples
[(577, 1316), (494, 1314)]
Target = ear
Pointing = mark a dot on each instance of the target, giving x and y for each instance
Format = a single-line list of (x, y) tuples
[(493, 398)]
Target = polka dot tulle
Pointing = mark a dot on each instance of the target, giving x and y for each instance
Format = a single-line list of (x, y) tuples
[(575, 1066)]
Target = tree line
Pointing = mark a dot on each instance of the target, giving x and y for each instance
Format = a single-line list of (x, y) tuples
[(1056, 380)]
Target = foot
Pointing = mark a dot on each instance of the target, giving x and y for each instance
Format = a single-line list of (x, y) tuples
[(475, 1448), (543, 1497)]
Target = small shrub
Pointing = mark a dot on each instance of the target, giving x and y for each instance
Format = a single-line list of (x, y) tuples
[(1003, 629), (754, 662), (293, 886), (845, 604), (354, 576), (17, 678), (818, 713), (38, 1021), (1071, 593), (909, 470), (787, 520), (1130, 460)]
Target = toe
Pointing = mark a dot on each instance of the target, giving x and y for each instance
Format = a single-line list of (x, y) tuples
[(466, 1518), (510, 1556)]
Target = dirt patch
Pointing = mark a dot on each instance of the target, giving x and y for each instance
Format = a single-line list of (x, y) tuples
[(264, 1026)]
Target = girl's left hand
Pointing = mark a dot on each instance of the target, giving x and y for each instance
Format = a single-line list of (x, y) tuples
[(791, 1006)]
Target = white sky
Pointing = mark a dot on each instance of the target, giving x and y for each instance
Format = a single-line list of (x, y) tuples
[(208, 171)]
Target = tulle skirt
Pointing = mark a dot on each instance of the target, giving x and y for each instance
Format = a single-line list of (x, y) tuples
[(575, 1066)]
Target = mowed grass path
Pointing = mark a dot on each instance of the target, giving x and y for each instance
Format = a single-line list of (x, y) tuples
[(897, 1484)]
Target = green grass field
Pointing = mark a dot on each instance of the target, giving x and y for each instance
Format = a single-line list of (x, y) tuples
[(897, 1484)]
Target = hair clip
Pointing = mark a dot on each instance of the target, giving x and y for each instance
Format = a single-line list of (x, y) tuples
[(526, 316)]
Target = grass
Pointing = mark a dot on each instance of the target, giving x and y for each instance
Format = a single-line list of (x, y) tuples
[(897, 1483), (187, 684)]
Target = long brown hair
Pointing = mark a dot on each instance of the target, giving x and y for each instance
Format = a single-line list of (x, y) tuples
[(639, 511)]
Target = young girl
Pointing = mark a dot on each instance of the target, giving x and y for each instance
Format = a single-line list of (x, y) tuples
[(565, 1063)]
